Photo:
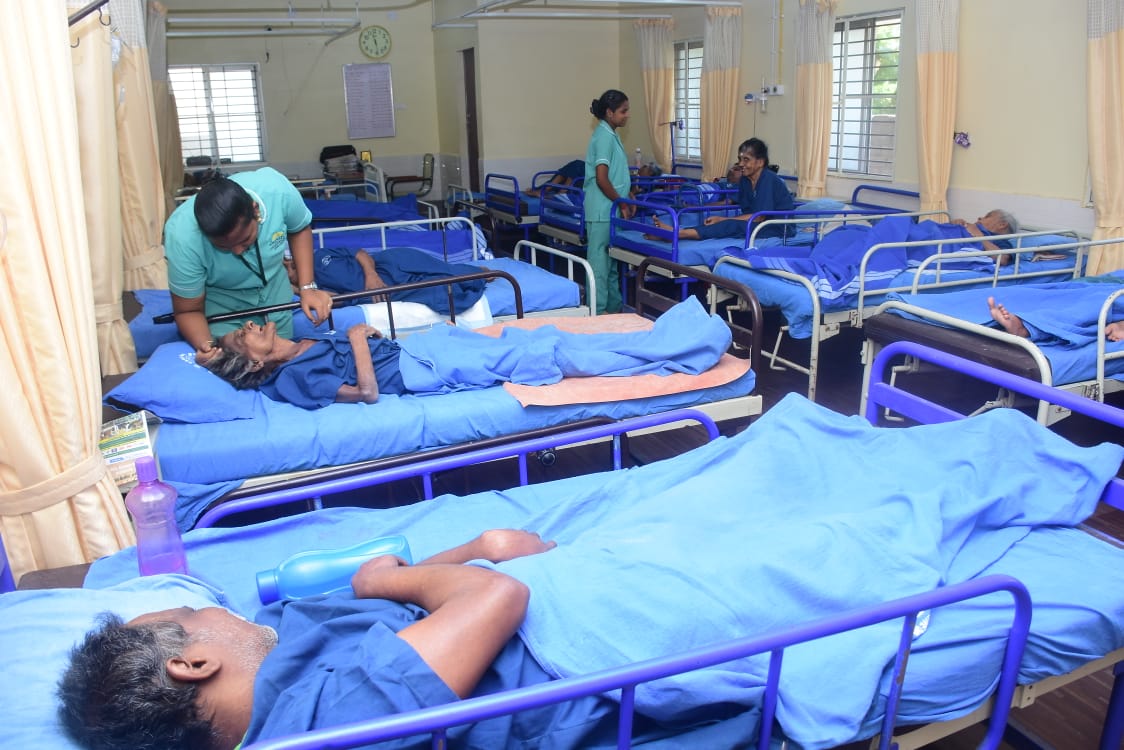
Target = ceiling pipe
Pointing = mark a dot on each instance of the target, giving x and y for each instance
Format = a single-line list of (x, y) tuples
[(335, 33), (255, 20), (495, 9)]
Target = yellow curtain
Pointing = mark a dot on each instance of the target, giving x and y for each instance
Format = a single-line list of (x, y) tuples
[(58, 505), (167, 121), (97, 155), (143, 207), (815, 26), (657, 68), (937, 62), (722, 42), (1106, 141)]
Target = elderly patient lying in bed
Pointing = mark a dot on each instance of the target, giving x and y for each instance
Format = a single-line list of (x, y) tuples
[(356, 367)]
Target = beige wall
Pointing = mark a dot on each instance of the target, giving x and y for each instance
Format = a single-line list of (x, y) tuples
[(536, 78), (302, 85)]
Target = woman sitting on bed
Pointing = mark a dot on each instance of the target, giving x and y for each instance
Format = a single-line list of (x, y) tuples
[(361, 364), (759, 189)]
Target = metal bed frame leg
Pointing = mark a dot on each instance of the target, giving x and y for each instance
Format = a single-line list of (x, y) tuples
[(1112, 733)]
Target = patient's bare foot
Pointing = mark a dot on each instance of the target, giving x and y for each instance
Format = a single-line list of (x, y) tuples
[(1011, 323), (661, 225)]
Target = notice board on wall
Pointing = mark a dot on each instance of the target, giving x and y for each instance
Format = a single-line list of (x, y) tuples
[(368, 94)]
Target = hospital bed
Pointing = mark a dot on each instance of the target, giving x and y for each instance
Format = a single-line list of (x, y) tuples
[(506, 203), (214, 438), (957, 322), (341, 213), (818, 299), (939, 640), (459, 240), (630, 238), (569, 290)]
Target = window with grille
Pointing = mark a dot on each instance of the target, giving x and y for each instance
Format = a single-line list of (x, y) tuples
[(220, 111), (688, 101), (866, 54)]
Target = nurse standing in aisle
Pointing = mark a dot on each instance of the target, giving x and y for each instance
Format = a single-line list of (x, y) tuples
[(606, 179)]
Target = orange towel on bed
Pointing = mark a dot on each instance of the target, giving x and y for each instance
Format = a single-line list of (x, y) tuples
[(594, 390)]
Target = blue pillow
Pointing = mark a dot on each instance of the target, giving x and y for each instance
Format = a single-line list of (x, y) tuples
[(38, 629), (1047, 239), (174, 388)]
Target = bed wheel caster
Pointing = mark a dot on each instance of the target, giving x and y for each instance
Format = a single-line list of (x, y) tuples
[(547, 457)]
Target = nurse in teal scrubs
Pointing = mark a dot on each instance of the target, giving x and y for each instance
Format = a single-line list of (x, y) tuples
[(606, 179), (225, 248)]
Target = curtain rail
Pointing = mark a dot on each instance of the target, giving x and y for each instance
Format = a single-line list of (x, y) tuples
[(96, 5)]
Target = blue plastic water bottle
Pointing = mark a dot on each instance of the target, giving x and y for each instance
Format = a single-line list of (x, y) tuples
[(323, 571), (153, 507)]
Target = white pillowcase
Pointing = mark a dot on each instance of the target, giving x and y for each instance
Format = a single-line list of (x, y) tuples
[(411, 317)]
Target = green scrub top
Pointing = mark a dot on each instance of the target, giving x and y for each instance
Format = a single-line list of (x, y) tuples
[(604, 148), (195, 266)]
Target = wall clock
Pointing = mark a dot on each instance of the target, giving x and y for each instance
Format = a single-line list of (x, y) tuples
[(374, 41)]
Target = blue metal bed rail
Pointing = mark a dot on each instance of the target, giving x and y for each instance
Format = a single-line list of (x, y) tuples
[(439, 719), (382, 296), (426, 469), (881, 394)]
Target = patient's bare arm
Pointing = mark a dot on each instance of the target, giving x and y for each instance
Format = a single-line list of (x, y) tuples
[(371, 278), (366, 388), (473, 612)]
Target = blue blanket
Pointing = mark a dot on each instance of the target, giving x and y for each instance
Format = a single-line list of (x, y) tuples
[(684, 339), (833, 265), (728, 540), (1060, 312), (756, 546)]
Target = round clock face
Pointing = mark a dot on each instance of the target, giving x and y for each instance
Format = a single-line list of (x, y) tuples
[(375, 41)]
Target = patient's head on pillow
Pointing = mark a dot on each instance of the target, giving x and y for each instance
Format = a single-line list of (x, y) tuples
[(180, 678), (237, 368), (117, 691)]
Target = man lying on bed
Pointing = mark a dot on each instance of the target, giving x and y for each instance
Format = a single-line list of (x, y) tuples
[(343, 269), (359, 365), (207, 679)]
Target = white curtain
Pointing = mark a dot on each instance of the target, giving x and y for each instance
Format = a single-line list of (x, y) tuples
[(814, 29), (938, 24), (143, 207), (101, 187), (722, 49), (164, 104), (1105, 83), (58, 505), (657, 68)]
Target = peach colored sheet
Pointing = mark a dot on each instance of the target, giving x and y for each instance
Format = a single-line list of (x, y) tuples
[(596, 390)]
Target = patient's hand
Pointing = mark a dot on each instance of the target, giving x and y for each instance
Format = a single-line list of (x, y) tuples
[(498, 545), (363, 330), (203, 356)]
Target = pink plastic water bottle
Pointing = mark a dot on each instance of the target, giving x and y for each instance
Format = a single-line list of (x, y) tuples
[(153, 507)]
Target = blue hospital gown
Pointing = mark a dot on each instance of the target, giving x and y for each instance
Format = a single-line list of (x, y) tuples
[(339, 660)]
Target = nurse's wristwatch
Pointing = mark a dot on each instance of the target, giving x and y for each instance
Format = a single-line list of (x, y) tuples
[(310, 285)]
